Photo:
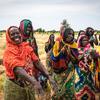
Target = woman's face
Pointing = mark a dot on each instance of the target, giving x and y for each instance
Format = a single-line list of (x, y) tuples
[(15, 35), (29, 29), (69, 37), (82, 33), (90, 32), (84, 41), (52, 37)]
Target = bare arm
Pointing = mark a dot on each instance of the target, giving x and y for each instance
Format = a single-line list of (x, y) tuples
[(41, 68), (23, 74)]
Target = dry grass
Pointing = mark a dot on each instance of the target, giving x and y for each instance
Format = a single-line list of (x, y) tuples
[(40, 38)]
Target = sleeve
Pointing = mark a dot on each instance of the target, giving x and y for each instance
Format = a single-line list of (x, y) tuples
[(56, 49), (34, 57), (10, 62), (46, 47)]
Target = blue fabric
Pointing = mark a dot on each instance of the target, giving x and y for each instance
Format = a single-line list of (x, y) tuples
[(60, 56)]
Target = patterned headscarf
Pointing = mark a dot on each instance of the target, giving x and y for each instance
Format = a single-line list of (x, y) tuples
[(23, 28), (79, 43)]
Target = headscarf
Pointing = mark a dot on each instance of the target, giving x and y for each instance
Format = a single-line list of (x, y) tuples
[(79, 43), (49, 40), (81, 32), (57, 43), (66, 31), (23, 28), (87, 31), (16, 54)]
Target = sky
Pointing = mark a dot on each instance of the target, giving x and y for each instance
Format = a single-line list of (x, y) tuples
[(48, 14)]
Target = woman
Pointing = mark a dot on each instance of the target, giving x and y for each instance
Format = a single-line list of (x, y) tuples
[(92, 38), (48, 49), (19, 60), (81, 32), (64, 58), (84, 83), (26, 29), (49, 44)]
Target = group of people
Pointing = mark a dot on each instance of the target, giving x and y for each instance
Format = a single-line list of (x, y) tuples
[(25, 73), (73, 65)]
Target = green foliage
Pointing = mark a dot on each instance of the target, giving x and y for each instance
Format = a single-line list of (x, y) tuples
[(40, 30), (98, 32)]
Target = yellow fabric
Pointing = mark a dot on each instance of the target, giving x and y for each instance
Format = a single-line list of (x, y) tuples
[(73, 45), (91, 66), (96, 76), (56, 47), (98, 68), (97, 49)]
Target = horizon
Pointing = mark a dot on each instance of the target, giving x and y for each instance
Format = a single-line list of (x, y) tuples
[(48, 15)]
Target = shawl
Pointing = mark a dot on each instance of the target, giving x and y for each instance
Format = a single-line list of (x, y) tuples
[(57, 46), (17, 55)]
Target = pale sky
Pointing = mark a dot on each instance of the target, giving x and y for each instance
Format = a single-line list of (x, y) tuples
[(48, 14)]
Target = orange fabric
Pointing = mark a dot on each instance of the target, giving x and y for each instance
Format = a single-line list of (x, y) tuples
[(21, 55), (60, 64)]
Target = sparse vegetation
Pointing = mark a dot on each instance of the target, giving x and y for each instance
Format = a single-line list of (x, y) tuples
[(40, 38)]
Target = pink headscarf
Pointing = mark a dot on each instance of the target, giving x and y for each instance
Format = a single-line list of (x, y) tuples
[(79, 44)]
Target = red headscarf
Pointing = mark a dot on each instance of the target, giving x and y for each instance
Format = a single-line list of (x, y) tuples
[(17, 55)]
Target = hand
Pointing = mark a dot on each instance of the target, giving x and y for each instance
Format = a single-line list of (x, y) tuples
[(38, 88), (53, 84), (63, 49)]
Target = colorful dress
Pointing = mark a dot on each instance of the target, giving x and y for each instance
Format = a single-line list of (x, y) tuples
[(64, 68), (84, 81), (48, 50), (97, 70)]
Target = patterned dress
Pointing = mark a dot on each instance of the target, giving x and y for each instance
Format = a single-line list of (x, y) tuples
[(85, 73), (64, 68)]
